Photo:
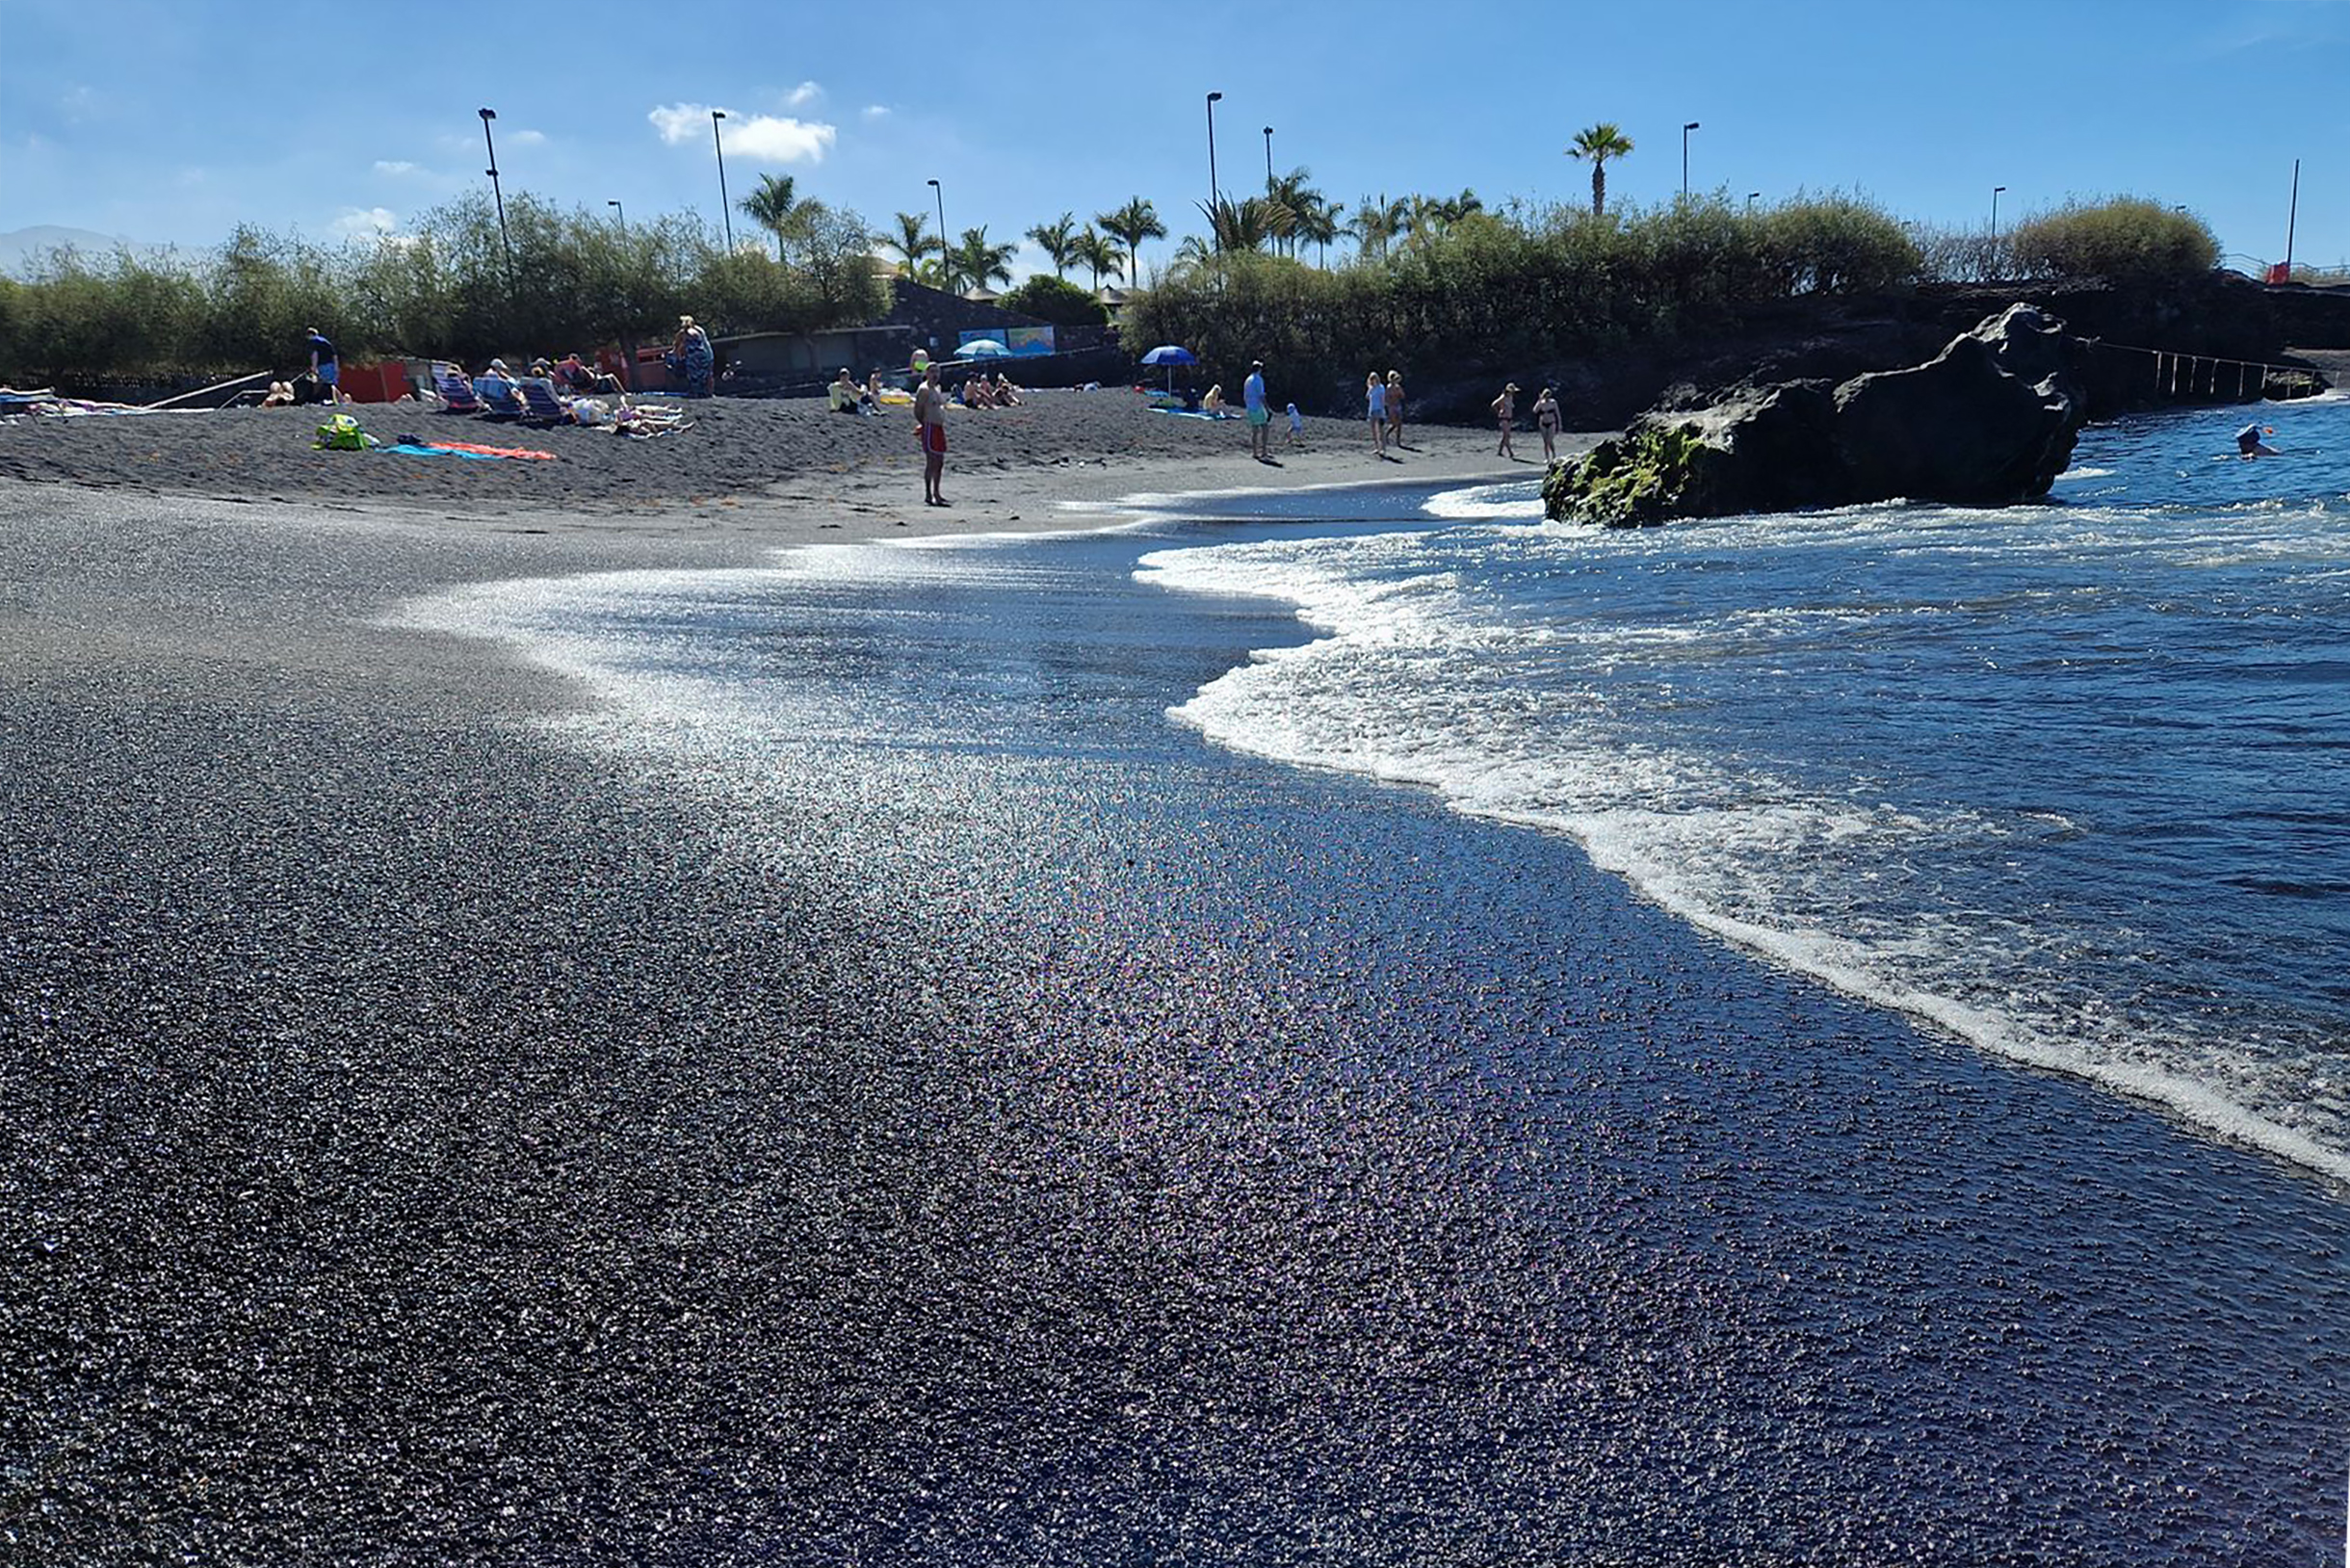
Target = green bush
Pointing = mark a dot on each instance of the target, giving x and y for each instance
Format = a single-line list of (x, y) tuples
[(2129, 239), (1492, 294), (1056, 301), (452, 289)]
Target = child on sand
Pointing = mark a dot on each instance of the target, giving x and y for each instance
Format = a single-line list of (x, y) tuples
[(1297, 427)]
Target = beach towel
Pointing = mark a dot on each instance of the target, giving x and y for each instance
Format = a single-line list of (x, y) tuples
[(467, 448)]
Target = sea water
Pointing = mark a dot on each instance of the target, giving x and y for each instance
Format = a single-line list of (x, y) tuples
[(2066, 779)]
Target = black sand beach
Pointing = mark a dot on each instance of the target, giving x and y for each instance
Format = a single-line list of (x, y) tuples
[(786, 461), (433, 1142)]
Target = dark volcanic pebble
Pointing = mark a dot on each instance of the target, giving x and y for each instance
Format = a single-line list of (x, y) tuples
[(423, 1139)]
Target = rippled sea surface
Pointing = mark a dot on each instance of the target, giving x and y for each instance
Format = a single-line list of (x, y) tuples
[(2067, 779), (1266, 1163)]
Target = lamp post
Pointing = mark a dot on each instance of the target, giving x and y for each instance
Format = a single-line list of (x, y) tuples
[(1994, 210), (1268, 160), (619, 215), (504, 239), (1213, 195), (939, 190), (1684, 158), (724, 212), (1750, 199), (2292, 220)]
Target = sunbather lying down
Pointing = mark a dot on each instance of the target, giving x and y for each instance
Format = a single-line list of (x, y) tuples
[(646, 421)]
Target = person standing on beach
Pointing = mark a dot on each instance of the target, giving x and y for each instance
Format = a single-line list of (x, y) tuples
[(1505, 413), (1374, 394), (1260, 417), (930, 434), (694, 358), (323, 365), (1395, 408), (1546, 420)]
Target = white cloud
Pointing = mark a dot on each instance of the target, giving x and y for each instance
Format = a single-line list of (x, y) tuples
[(877, 111), (802, 95), (80, 103), (774, 139), (531, 139), (397, 167), (363, 223)]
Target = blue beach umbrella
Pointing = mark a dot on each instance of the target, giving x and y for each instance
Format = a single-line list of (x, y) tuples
[(981, 348), (1170, 355)]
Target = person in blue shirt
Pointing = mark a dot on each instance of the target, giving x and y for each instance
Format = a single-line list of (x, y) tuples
[(1260, 417), (323, 364)]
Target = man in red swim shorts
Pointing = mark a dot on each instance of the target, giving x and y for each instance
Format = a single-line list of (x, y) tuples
[(930, 434)]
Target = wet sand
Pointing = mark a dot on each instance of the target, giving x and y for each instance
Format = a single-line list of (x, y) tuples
[(432, 1141)]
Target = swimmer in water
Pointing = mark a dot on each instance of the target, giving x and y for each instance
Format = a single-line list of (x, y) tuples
[(2248, 442)]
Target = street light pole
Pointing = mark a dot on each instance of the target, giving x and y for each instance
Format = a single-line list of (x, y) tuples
[(1750, 199), (1214, 195), (939, 190), (2292, 220), (619, 215), (1684, 159), (504, 239), (725, 211), (1268, 160)]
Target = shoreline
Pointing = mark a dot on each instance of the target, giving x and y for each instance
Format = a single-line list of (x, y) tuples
[(780, 472)]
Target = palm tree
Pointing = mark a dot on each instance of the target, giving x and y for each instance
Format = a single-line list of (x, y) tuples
[(1135, 222), (1248, 225), (1317, 222), (1431, 217), (769, 206), (1293, 191), (1376, 222), (1599, 144), (912, 241), (974, 263), (1098, 250), (1058, 240)]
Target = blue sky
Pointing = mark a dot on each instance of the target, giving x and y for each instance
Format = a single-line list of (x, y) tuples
[(170, 122)]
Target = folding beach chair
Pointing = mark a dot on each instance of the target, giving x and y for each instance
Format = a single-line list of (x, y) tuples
[(495, 406), (539, 402), (456, 391), (454, 388)]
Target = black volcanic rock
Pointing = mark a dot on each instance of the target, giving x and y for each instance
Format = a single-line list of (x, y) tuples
[(1988, 421)]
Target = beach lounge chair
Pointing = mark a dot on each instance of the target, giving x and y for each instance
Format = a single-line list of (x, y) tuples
[(541, 406), (499, 402), (455, 390)]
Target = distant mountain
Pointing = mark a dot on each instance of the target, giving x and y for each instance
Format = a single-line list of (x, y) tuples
[(21, 249)]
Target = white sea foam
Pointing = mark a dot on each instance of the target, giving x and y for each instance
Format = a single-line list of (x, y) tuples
[(1488, 503), (1404, 687)]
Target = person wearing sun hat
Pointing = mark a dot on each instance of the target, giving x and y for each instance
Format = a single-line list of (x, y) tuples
[(1505, 413), (495, 386)]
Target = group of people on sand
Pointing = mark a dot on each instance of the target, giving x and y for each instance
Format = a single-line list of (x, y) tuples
[(1546, 421), (980, 392), (1383, 407)]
